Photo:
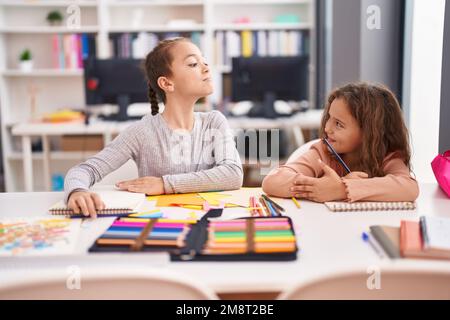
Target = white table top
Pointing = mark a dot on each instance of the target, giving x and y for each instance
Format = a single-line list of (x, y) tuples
[(329, 242)]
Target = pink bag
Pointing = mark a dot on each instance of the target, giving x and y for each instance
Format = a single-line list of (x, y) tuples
[(441, 169)]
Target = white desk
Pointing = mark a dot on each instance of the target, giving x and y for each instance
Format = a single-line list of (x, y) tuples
[(329, 242), (305, 120)]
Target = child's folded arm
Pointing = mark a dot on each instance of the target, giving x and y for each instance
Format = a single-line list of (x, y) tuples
[(227, 176), (396, 185), (279, 181)]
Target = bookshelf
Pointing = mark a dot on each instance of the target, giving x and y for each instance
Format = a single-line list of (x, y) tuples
[(23, 25)]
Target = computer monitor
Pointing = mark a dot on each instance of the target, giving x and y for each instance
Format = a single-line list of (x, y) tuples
[(264, 80), (115, 81)]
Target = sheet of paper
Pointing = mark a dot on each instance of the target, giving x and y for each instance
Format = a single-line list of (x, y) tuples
[(184, 199), (241, 197), (215, 198)]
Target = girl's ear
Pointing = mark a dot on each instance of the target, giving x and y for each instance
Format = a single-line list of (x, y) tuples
[(165, 84)]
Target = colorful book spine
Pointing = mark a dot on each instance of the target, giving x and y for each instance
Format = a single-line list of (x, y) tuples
[(247, 44), (79, 53), (62, 60), (262, 43), (84, 46), (55, 52), (69, 50)]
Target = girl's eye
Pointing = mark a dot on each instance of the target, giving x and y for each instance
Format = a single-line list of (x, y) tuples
[(193, 65), (205, 63), (339, 125)]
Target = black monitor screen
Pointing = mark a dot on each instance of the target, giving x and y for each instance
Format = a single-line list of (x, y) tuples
[(115, 81), (285, 77)]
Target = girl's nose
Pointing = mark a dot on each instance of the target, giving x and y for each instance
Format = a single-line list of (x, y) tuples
[(205, 67), (327, 128)]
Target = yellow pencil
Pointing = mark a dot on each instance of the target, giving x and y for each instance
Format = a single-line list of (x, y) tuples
[(192, 206), (296, 202)]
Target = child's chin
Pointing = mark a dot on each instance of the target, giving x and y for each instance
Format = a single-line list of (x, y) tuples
[(208, 92)]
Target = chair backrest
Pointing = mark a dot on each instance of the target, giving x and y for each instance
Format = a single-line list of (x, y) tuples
[(301, 150), (149, 284), (127, 171), (392, 285)]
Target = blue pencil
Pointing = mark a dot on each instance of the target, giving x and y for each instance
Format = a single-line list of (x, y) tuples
[(272, 210), (337, 156)]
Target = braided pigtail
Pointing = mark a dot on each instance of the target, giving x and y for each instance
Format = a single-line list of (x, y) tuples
[(157, 64), (153, 100)]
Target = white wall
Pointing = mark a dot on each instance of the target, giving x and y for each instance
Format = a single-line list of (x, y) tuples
[(423, 89)]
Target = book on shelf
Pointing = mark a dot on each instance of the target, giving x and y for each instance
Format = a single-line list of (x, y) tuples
[(261, 43), (69, 50)]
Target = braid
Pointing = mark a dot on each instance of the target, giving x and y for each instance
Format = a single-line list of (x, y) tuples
[(153, 100), (157, 64)]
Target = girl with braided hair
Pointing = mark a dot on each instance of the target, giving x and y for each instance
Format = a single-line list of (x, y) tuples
[(176, 151)]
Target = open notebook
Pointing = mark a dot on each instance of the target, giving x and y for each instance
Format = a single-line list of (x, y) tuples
[(369, 206), (116, 202)]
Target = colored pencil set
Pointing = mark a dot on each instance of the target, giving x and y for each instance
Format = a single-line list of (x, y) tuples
[(266, 207), (268, 235), (137, 234)]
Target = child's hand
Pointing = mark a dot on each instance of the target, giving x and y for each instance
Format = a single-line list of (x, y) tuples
[(85, 202), (147, 185), (329, 187)]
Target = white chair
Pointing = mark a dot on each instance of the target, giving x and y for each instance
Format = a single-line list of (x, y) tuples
[(301, 150), (393, 285), (141, 284)]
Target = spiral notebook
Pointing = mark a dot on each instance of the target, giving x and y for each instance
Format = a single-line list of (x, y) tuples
[(337, 206), (116, 203)]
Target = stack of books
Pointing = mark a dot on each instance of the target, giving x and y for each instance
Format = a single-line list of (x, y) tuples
[(69, 50), (262, 43), (428, 238)]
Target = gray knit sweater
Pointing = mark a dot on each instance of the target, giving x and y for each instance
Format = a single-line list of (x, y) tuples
[(204, 159)]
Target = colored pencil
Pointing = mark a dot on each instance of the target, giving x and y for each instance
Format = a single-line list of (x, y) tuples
[(273, 202), (297, 204)]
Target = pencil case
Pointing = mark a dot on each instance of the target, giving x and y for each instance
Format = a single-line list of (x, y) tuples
[(140, 235), (246, 239)]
